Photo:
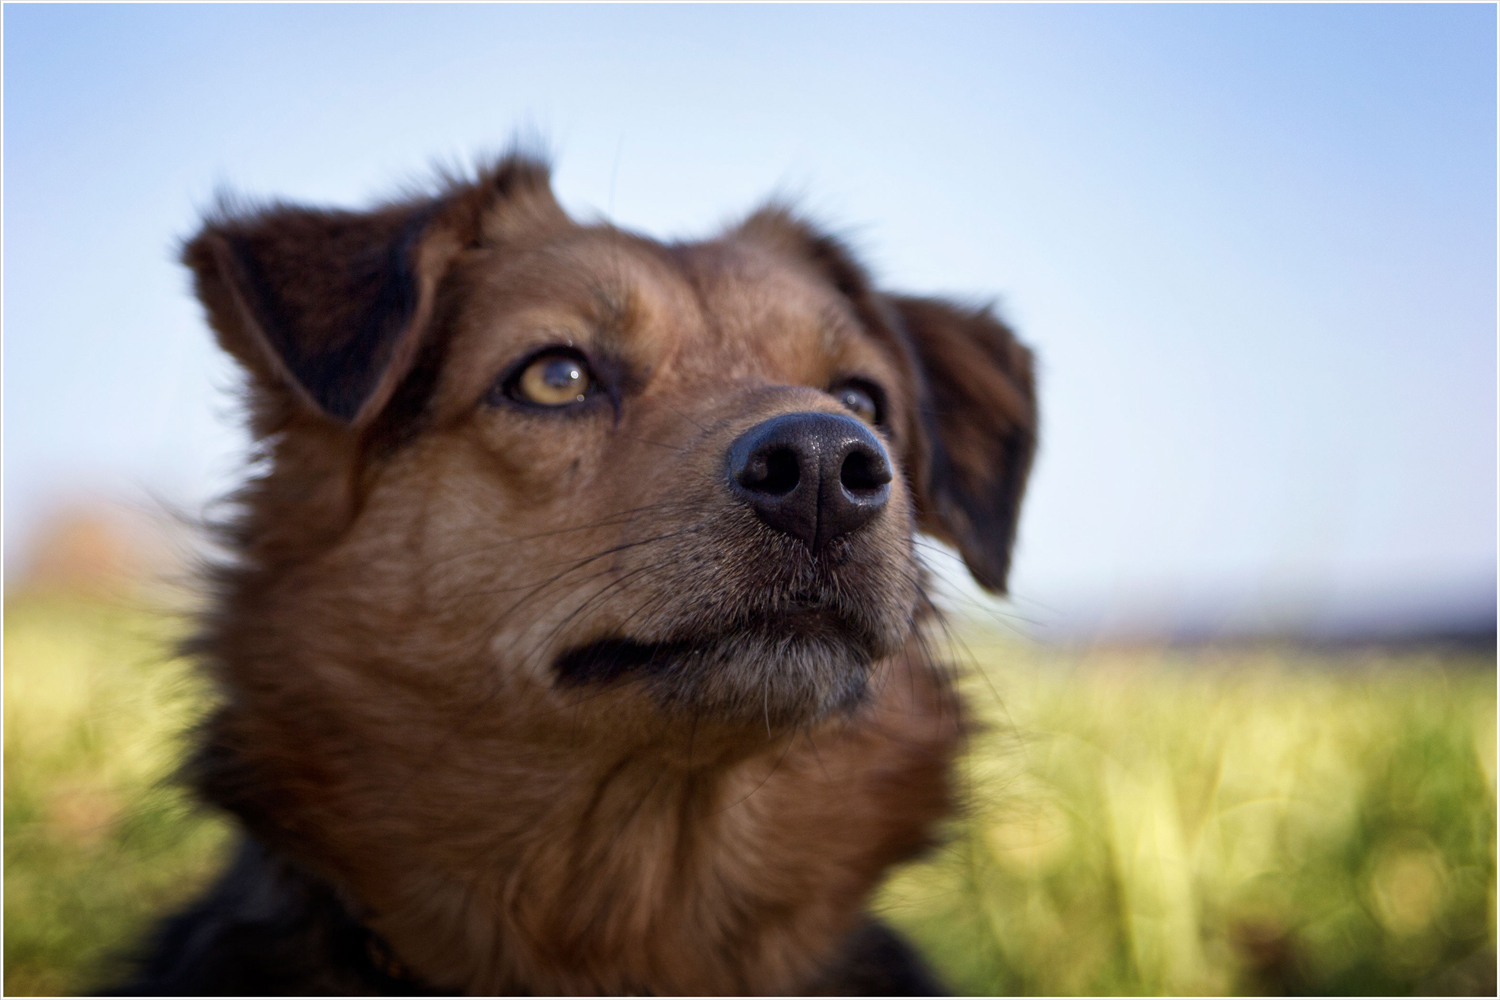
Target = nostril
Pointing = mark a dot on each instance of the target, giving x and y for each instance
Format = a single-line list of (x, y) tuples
[(775, 471), (863, 472), (812, 476)]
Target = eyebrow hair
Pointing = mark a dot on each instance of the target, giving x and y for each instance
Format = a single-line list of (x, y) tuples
[(833, 321), (614, 310), (614, 303)]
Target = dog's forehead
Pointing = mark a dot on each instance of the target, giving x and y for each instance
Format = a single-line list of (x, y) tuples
[(726, 305), (743, 285), (760, 308)]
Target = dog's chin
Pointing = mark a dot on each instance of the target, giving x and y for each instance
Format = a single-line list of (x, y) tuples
[(790, 671)]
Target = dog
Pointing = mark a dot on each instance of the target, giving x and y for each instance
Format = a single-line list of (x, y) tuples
[(573, 638)]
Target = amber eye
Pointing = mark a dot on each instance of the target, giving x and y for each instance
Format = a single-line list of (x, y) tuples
[(860, 401), (556, 378)]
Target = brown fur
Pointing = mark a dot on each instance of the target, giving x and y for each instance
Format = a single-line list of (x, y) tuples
[(415, 556)]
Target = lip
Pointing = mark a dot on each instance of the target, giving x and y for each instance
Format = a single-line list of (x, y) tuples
[(605, 660), (615, 657)]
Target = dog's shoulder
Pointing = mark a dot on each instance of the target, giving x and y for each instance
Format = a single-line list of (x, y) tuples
[(266, 928), (878, 962), (269, 928)]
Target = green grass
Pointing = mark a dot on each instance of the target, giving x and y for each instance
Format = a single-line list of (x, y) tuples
[(97, 843), (1254, 822), (1137, 823)]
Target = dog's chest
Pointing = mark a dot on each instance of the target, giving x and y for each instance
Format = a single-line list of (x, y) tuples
[(668, 882)]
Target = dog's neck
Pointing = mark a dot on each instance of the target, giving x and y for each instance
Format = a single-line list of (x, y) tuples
[(555, 859)]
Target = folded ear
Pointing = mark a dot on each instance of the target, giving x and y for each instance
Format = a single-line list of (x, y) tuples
[(332, 306), (979, 418)]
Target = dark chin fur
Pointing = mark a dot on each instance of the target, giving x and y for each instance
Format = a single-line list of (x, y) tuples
[(779, 676)]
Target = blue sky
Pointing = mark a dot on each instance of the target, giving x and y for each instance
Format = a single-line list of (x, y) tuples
[(1253, 246)]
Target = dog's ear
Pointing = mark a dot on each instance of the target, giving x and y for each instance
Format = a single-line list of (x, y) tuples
[(332, 306), (970, 443), (979, 416)]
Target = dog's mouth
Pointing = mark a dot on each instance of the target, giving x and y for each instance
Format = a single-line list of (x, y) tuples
[(798, 664)]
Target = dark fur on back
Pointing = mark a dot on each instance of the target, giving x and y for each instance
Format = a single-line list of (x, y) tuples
[(268, 929)]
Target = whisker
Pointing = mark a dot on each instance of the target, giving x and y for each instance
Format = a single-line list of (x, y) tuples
[(609, 520), (495, 623), (679, 449), (684, 416), (597, 595), (774, 768)]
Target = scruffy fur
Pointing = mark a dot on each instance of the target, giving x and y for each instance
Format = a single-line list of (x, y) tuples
[(515, 700)]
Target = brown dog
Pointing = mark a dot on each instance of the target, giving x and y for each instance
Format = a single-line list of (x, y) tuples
[(573, 639)]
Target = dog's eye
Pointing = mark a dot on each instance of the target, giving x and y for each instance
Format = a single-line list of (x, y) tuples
[(859, 400), (556, 378)]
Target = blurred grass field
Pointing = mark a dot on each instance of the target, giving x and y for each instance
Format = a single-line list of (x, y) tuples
[(1262, 821)]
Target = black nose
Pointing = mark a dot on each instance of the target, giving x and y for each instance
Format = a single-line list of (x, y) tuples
[(814, 476)]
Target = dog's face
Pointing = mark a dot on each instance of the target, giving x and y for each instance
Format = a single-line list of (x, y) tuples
[(511, 456), (657, 456)]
